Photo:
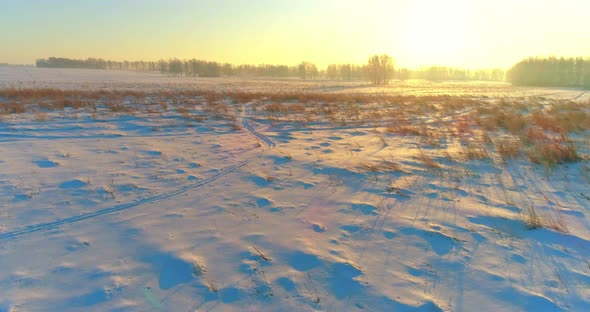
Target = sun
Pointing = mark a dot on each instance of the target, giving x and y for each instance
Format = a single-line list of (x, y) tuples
[(434, 31)]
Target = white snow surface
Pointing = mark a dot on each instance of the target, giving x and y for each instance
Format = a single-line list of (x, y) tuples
[(91, 79), (154, 213)]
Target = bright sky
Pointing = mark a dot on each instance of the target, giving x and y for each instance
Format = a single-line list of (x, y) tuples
[(465, 33)]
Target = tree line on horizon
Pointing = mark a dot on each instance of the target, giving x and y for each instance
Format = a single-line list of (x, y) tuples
[(551, 72), (380, 69)]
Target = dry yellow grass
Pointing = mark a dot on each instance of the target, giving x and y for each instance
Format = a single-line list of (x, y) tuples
[(382, 166), (540, 130), (508, 148)]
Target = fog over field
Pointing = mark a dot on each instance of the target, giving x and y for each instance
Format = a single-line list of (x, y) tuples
[(90, 79)]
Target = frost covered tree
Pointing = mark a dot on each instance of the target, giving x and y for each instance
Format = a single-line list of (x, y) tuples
[(380, 69), (551, 71), (307, 70)]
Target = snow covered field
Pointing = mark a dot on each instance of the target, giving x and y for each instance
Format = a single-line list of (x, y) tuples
[(410, 201), (89, 79)]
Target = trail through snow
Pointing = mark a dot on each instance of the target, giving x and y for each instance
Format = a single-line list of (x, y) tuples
[(225, 171)]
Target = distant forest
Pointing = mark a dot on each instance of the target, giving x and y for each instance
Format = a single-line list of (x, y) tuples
[(551, 71), (379, 69)]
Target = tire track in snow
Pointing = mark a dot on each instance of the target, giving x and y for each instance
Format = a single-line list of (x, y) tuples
[(51, 225), (65, 221), (7, 137), (248, 127)]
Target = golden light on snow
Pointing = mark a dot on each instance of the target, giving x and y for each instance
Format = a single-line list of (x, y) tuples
[(143, 191)]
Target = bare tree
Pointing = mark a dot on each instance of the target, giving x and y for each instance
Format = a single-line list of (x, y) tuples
[(307, 70), (380, 69)]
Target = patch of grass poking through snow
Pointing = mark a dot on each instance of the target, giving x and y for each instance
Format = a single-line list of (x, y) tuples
[(211, 285), (383, 166), (235, 126), (508, 149), (550, 154), (260, 254), (532, 219), (427, 160), (475, 152), (41, 116)]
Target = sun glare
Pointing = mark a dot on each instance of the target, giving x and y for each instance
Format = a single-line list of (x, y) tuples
[(434, 32)]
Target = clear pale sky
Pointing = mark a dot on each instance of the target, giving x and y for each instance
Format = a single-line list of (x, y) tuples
[(465, 33)]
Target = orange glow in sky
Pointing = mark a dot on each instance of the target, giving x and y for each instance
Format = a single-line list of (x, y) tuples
[(465, 33)]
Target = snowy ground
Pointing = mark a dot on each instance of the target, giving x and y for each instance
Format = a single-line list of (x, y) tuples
[(154, 211), (85, 79)]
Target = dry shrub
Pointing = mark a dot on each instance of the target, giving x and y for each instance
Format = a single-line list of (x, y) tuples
[(508, 148), (47, 106), (532, 219), (212, 96), (296, 109), (78, 103), (472, 152), (570, 120), (198, 118), (382, 166), (41, 116), (235, 126), (536, 135), (61, 104), (16, 93), (557, 223), (82, 98), (462, 128), (548, 148), (553, 153), (242, 97), (58, 104), (514, 123), (407, 130), (488, 123), (217, 109), (399, 118), (13, 108), (451, 104), (427, 160), (545, 121), (117, 108), (274, 109), (183, 111)]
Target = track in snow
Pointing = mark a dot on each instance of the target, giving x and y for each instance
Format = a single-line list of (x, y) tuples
[(65, 221), (578, 96), (259, 135)]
